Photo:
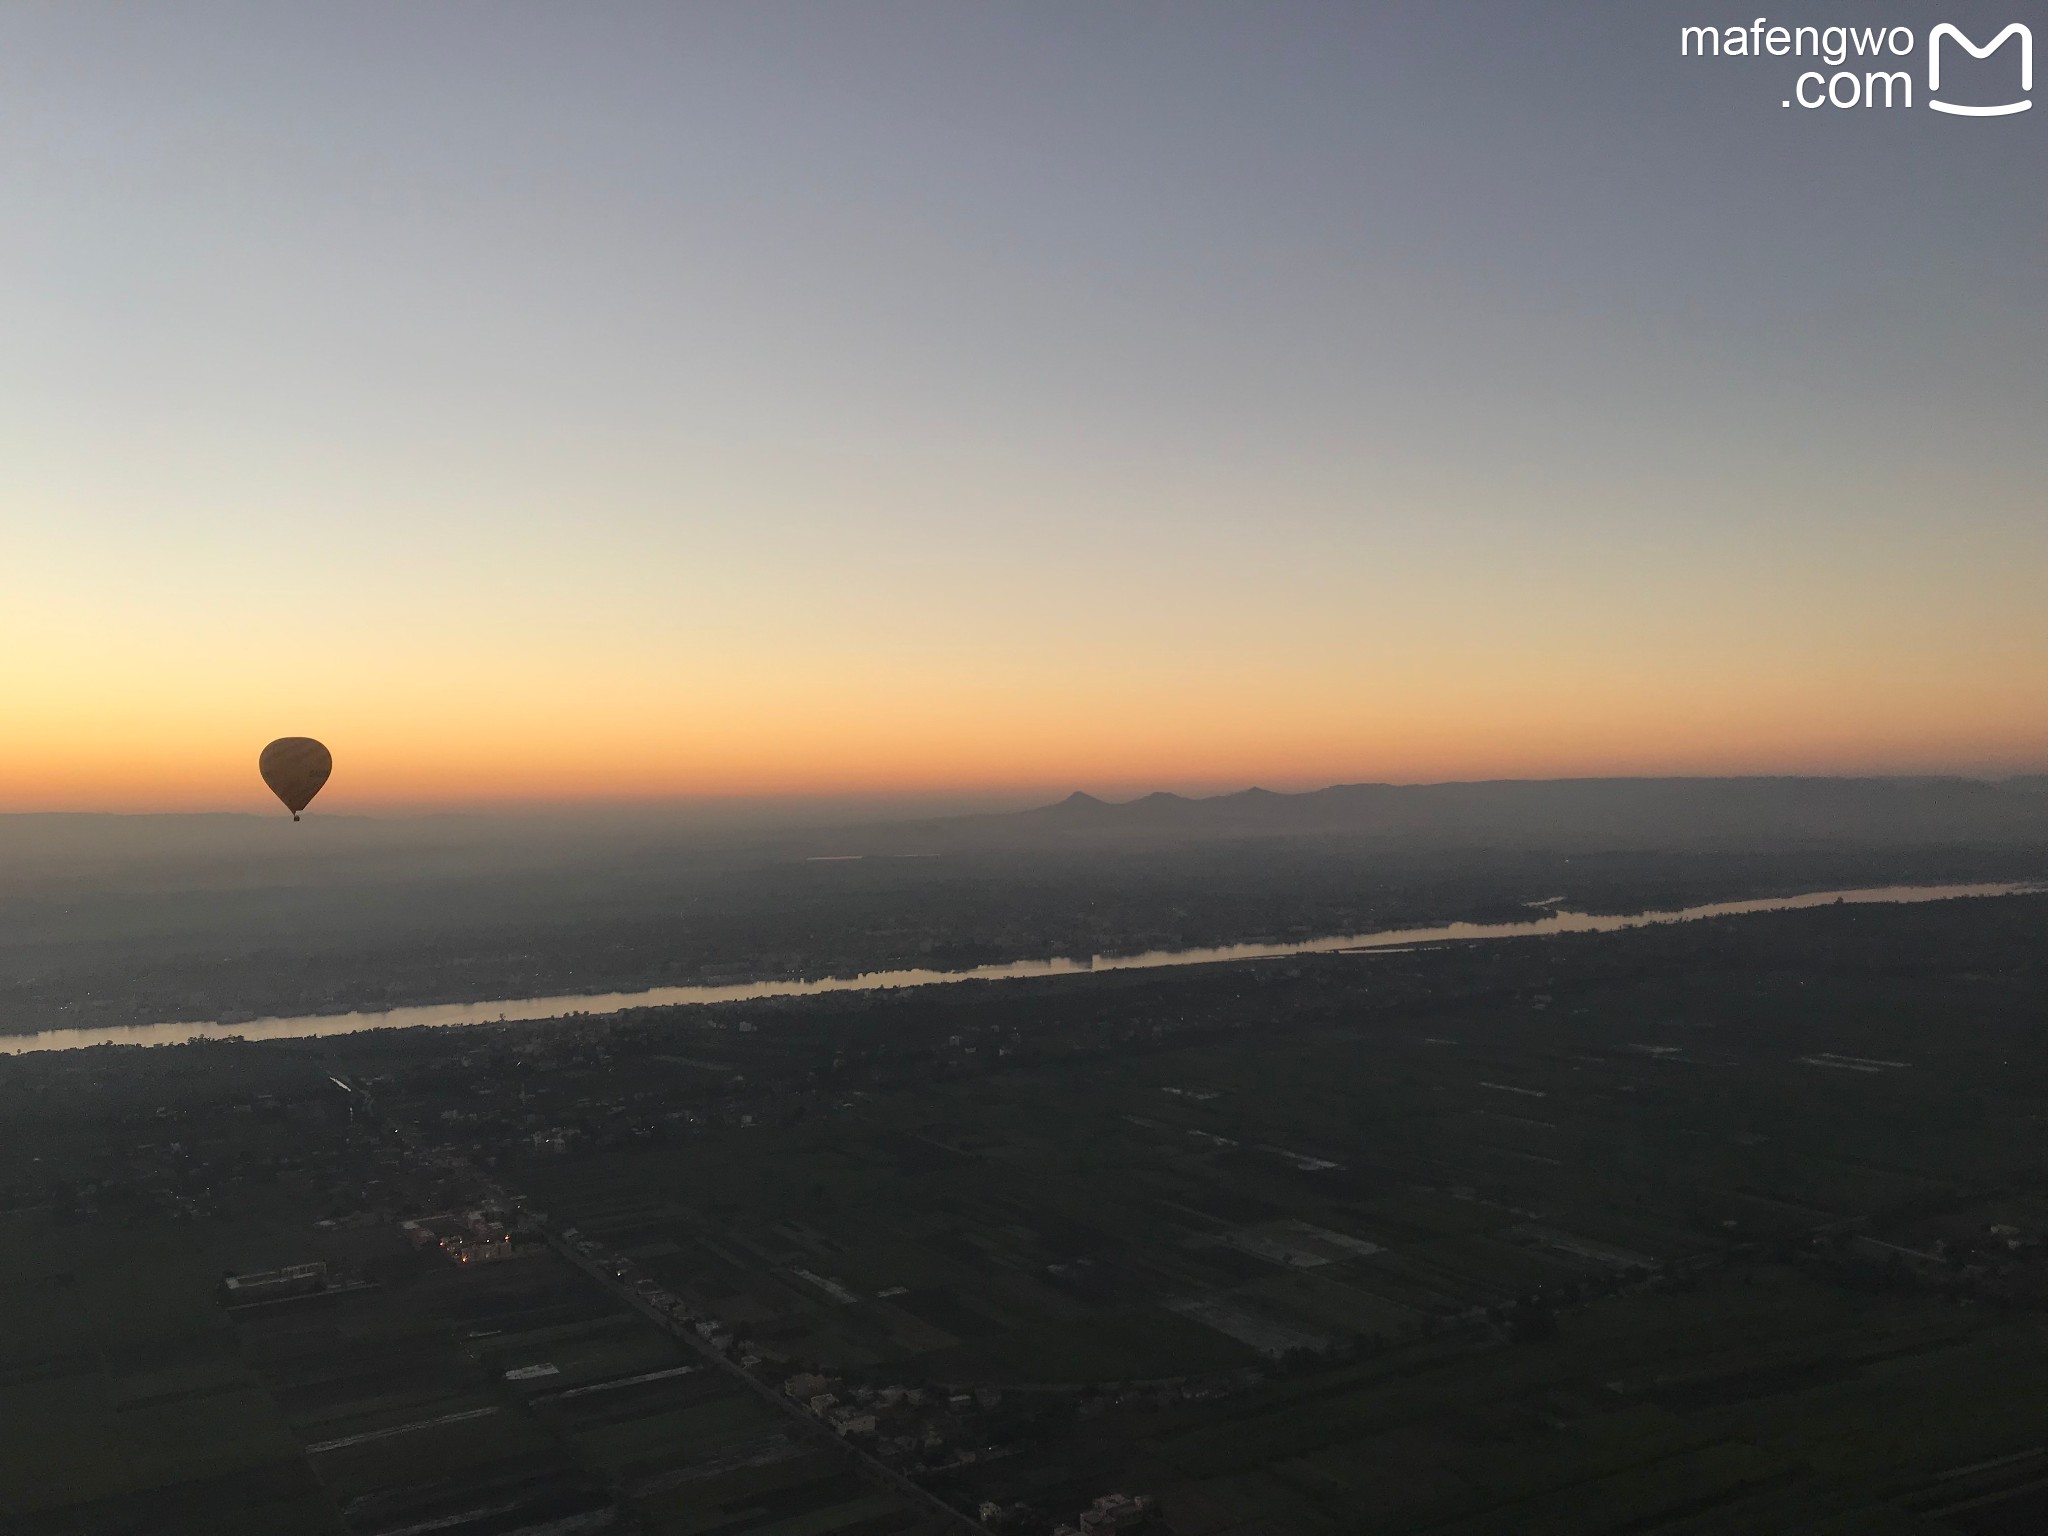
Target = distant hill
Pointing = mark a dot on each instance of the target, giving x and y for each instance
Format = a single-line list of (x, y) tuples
[(1591, 813)]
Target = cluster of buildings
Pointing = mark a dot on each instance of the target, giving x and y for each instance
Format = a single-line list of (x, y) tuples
[(468, 1237), (655, 1295), (1111, 1512), (925, 1429), (861, 1409)]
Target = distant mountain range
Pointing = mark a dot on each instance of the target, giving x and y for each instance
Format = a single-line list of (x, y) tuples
[(1617, 813), (41, 855)]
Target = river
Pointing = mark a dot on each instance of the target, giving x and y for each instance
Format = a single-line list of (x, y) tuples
[(507, 1010)]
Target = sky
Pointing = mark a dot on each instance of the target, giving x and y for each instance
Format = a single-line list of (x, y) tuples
[(601, 401)]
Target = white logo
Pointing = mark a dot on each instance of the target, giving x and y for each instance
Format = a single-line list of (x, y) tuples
[(1863, 46), (1949, 29)]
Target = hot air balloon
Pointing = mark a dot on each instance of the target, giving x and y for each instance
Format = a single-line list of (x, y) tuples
[(295, 767)]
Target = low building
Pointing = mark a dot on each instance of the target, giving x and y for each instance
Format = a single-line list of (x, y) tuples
[(275, 1284)]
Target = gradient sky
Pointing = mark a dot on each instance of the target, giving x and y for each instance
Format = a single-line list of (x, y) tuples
[(551, 401)]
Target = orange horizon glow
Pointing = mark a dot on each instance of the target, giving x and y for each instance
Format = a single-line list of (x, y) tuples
[(375, 774), (173, 718)]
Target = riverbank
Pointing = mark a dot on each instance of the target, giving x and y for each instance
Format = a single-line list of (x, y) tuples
[(533, 1009)]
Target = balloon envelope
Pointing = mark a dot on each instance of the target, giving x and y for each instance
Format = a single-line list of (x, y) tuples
[(295, 767)]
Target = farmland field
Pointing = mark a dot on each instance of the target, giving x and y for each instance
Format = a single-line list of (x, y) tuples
[(1739, 1226)]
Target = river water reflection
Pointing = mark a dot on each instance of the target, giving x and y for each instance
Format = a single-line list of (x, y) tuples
[(505, 1010)]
